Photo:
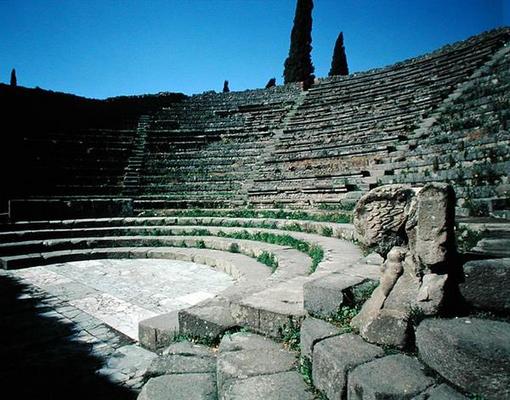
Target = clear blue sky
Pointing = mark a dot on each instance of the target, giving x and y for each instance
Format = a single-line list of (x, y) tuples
[(101, 48)]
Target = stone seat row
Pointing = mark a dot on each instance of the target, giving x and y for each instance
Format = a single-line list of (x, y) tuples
[(267, 309), (355, 132), (221, 146), (444, 56), (338, 149), (217, 156)]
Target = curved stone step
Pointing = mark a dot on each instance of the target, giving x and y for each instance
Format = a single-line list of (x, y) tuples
[(471, 353), (344, 231), (291, 262), (245, 365), (268, 306), (253, 367)]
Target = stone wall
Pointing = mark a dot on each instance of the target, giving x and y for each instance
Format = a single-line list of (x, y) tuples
[(442, 117)]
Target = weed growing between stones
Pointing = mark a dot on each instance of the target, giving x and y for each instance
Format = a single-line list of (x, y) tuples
[(342, 318), (334, 207), (362, 293), (315, 252), (269, 260), (206, 341), (416, 315), (290, 335), (294, 228), (354, 301), (476, 397), (339, 217), (266, 258), (305, 368), (327, 231), (210, 342), (466, 238), (234, 248)]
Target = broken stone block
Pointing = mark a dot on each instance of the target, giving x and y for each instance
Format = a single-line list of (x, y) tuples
[(244, 355), (471, 353), (158, 331), (314, 330), (380, 217), (392, 377), (334, 357), (486, 284), (206, 320), (440, 392), (181, 387), (280, 386), (325, 295), (419, 274)]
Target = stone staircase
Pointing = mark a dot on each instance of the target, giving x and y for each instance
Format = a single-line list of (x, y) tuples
[(135, 161)]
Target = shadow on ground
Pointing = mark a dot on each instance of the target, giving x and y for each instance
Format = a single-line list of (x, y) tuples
[(39, 359)]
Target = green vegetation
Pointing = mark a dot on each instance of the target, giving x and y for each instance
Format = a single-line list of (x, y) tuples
[(305, 368), (342, 206), (206, 341), (416, 315), (268, 259), (338, 217), (362, 293), (315, 252), (291, 334), (327, 231), (466, 238), (234, 248), (353, 303), (342, 318)]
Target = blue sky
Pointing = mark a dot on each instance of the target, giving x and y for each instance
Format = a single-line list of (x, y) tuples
[(101, 48)]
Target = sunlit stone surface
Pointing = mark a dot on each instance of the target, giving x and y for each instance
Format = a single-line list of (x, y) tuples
[(122, 292)]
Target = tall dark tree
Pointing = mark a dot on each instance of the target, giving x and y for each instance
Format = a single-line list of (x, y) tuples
[(225, 87), (339, 62), (271, 83), (14, 81), (298, 66)]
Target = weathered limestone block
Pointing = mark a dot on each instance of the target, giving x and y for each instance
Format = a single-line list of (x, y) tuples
[(323, 296), (471, 353), (392, 377), (430, 226), (380, 217), (333, 358), (440, 392), (206, 320), (487, 284), (180, 387), (245, 355), (158, 331), (312, 331), (418, 274)]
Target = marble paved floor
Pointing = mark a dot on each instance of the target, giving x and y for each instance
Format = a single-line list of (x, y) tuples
[(120, 293), (78, 321)]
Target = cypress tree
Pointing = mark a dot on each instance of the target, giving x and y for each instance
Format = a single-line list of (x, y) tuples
[(14, 81), (271, 83), (339, 61), (298, 66), (225, 87)]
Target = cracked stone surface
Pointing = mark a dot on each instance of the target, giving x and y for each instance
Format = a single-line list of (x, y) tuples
[(122, 292), (95, 306)]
